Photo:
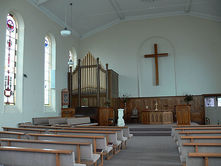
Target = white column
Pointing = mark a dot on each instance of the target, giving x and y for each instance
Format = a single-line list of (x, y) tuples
[(120, 121)]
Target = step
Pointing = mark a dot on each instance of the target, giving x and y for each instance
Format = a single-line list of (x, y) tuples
[(151, 134), (150, 129)]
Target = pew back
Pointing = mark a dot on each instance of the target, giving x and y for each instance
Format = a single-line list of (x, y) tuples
[(10, 134), (98, 142), (24, 130), (110, 135), (81, 150), (35, 157)]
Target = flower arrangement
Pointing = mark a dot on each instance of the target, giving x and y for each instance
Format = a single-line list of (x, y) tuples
[(188, 98), (124, 99)]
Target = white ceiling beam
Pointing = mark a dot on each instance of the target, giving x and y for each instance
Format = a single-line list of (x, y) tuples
[(117, 9), (53, 17), (40, 2), (188, 6)]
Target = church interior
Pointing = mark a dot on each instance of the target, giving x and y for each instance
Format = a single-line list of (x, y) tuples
[(107, 82)]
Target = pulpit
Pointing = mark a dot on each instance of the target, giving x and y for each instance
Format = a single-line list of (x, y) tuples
[(183, 114)]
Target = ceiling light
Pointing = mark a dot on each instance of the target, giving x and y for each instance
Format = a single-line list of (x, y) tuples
[(66, 32)]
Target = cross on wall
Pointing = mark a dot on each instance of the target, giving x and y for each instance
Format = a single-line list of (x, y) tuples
[(155, 56)]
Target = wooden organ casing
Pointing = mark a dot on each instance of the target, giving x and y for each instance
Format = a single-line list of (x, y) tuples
[(92, 85)]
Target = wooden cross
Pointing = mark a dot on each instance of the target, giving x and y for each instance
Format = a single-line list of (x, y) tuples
[(156, 55)]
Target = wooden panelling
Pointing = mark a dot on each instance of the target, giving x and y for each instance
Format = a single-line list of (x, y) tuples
[(67, 112), (105, 114), (164, 104), (90, 100), (156, 117)]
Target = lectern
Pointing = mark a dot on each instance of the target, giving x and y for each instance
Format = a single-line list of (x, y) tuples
[(183, 114)]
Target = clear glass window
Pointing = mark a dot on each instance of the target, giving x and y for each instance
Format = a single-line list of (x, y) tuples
[(47, 71), (219, 101), (72, 60)]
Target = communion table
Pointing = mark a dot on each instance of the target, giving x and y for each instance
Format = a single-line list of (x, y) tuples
[(156, 117)]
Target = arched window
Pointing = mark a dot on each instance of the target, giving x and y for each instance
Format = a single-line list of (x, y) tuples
[(47, 70), (11, 48), (72, 59)]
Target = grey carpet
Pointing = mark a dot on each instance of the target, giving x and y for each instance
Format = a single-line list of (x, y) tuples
[(147, 151), (160, 131)]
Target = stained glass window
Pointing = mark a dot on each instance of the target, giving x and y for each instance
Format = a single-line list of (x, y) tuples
[(47, 71), (10, 60)]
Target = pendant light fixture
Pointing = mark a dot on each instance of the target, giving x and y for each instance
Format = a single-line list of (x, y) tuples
[(66, 32)]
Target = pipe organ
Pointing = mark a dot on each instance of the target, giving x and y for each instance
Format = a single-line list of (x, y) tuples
[(91, 84)]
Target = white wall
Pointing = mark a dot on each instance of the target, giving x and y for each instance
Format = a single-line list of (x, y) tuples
[(193, 65), (36, 27)]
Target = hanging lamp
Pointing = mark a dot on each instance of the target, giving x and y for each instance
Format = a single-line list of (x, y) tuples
[(66, 32)]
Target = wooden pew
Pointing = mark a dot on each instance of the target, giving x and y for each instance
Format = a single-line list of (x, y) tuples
[(196, 133), (39, 127), (198, 148), (10, 134), (177, 130), (24, 130), (98, 142), (36, 157), (126, 131), (111, 137), (176, 126), (119, 131), (201, 139), (196, 127), (83, 151), (120, 136), (203, 159)]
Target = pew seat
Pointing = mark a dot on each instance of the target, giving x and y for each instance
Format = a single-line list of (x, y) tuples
[(120, 136), (203, 159), (36, 157), (24, 130), (199, 148), (98, 142), (11, 134), (83, 151), (126, 131)]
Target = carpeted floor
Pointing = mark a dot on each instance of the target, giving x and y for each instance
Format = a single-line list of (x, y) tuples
[(147, 151)]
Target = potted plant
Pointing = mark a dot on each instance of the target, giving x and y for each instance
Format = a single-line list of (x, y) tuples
[(188, 98)]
